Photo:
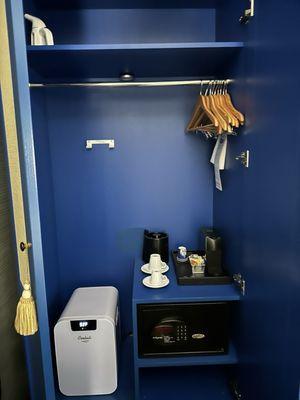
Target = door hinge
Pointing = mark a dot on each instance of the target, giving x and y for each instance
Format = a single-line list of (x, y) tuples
[(240, 282), (248, 13)]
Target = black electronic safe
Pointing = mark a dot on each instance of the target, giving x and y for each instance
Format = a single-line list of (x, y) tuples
[(182, 329)]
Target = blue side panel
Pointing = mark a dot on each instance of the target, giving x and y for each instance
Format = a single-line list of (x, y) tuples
[(258, 212), (157, 177), (39, 363)]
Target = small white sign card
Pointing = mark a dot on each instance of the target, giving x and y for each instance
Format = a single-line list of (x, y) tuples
[(218, 158)]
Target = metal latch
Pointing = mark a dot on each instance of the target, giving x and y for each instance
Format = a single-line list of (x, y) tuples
[(249, 13), (240, 282), (244, 158)]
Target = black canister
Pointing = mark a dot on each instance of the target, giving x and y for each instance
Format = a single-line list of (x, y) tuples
[(213, 251), (156, 243)]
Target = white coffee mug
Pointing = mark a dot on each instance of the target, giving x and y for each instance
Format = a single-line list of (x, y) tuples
[(155, 263), (156, 278)]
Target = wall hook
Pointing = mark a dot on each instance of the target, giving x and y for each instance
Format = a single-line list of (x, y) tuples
[(91, 143)]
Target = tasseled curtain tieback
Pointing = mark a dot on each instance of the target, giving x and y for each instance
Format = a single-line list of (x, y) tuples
[(26, 319)]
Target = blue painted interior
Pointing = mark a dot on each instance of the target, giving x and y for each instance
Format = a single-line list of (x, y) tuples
[(200, 383), (47, 208), (81, 63), (94, 26), (148, 42), (102, 195), (227, 18)]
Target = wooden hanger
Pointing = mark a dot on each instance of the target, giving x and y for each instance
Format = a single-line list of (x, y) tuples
[(197, 110), (226, 112), (228, 100), (218, 111), (214, 112), (200, 114), (201, 123)]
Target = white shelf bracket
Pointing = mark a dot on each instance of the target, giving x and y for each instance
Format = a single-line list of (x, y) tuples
[(109, 142)]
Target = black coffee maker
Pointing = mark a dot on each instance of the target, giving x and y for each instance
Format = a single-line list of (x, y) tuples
[(156, 243), (213, 251)]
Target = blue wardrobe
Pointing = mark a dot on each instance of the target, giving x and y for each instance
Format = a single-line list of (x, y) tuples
[(86, 210)]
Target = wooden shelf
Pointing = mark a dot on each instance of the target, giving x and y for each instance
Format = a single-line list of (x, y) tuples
[(146, 60)]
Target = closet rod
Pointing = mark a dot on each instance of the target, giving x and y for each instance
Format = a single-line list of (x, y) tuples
[(131, 84)]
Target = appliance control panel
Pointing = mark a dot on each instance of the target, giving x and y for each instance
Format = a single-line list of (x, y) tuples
[(86, 325), (181, 333)]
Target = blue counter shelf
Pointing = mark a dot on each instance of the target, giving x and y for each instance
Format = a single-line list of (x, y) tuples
[(179, 293), (171, 294)]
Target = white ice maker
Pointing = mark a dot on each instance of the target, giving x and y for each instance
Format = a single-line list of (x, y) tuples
[(86, 342)]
